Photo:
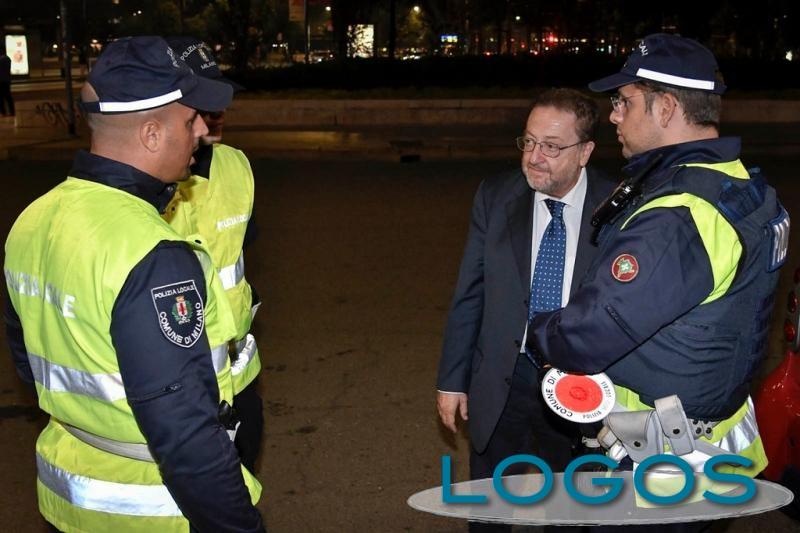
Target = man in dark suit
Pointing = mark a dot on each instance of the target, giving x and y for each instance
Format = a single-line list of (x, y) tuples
[(484, 371)]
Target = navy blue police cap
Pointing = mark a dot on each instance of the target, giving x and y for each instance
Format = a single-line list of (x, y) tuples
[(200, 58), (669, 59), (140, 73)]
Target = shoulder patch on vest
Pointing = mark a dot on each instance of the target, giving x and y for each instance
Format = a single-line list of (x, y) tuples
[(624, 268), (180, 312), (779, 233)]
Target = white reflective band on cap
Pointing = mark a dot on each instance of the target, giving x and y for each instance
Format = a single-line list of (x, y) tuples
[(675, 80), (138, 105), (231, 275), (107, 496), (57, 378), (246, 349), (219, 356)]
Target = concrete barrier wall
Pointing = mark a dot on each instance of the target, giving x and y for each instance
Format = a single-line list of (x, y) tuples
[(365, 113), (43, 113), (362, 113)]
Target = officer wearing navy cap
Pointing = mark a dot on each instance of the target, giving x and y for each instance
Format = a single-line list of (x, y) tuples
[(121, 323), (217, 202), (678, 299)]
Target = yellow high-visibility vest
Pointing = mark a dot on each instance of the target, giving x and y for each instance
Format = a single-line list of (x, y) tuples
[(67, 259), (219, 209)]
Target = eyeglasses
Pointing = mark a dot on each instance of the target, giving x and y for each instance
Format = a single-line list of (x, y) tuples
[(528, 144), (620, 103)]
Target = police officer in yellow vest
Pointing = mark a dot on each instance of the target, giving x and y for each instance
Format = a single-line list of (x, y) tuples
[(122, 323), (675, 309), (217, 202)]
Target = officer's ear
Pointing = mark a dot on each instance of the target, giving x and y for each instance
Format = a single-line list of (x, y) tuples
[(151, 133), (668, 108)]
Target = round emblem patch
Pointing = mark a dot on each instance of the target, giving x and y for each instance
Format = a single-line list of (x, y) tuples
[(577, 397), (625, 268)]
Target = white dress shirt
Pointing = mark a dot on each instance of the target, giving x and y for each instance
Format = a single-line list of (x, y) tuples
[(572, 214)]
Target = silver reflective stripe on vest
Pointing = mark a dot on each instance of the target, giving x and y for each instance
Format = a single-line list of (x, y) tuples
[(107, 387), (231, 275), (107, 496), (245, 348), (219, 356), (131, 450), (57, 378), (743, 434)]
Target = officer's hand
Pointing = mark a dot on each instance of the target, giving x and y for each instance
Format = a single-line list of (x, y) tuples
[(448, 404)]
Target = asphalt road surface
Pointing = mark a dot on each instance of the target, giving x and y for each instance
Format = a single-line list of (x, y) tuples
[(356, 263)]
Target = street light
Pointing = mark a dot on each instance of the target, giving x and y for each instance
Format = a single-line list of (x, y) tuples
[(416, 9), (517, 18), (328, 8)]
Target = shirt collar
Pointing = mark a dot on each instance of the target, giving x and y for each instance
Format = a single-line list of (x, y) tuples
[(710, 150), (99, 169), (572, 198), (202, 157)]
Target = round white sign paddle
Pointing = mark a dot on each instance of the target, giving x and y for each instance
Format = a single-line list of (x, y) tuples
[(578, 397)]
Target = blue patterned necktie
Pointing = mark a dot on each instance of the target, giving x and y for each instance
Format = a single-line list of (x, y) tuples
[(548, 274)]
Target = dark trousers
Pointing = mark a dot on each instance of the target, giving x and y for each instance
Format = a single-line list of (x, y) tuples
[(526, 426), (6, 99), (249, 409)]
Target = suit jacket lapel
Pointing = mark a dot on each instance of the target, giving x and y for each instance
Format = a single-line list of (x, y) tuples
[(519, 212)]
